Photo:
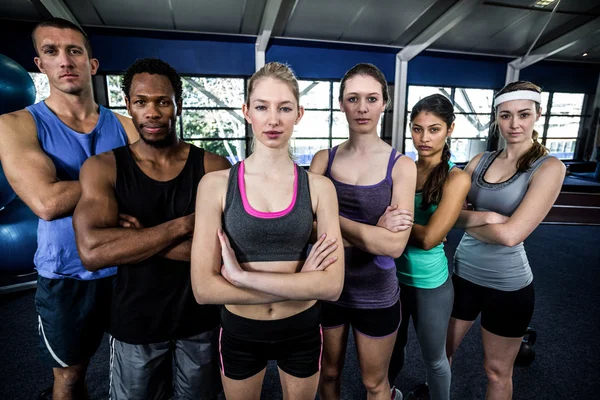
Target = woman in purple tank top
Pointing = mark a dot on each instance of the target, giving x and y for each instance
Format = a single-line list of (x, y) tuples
[(369, 176)]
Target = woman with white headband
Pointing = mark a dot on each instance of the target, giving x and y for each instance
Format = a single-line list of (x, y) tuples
[(511, 192)]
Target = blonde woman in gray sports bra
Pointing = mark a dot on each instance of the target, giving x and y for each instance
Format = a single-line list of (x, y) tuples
[(512, 190)]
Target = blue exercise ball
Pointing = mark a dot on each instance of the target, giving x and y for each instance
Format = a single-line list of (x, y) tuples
[(6, 192), (18, 238), (17, 89)]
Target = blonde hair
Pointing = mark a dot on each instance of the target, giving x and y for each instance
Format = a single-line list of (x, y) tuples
[(279, 71), (537, 150)]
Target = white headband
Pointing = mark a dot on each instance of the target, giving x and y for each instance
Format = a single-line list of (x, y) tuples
[(518, 95)]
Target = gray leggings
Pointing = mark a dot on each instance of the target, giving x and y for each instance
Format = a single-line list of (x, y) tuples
[(430, 310)]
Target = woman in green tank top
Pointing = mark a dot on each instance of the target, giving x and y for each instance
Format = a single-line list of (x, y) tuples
[(426, 290)]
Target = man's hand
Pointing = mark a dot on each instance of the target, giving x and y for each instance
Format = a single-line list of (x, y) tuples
[(129, 221)]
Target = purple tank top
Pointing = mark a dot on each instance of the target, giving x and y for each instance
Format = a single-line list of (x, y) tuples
[(370, 280)]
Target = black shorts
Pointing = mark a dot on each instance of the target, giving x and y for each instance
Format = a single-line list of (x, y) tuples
[(246, 345), (503, 313), (72, 318), (375, 323)]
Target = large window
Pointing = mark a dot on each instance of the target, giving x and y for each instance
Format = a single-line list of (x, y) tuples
[(473, 109), (324, 125), (211, 117), (559, 126), (42, 87)]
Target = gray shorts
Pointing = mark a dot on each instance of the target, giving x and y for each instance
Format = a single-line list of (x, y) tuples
[(177, 369)]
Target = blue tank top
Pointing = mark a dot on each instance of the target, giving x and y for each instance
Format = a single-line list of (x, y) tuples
[(370, 280), (56, 256)]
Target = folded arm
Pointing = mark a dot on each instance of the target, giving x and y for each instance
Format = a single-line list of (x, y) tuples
[(319, 284), (30, 172), (378, 240), (101, 242), (543, 190), (453, 196), (209, 286)]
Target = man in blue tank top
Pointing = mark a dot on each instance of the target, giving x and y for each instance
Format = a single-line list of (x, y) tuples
[(42, 149), (155, 322)]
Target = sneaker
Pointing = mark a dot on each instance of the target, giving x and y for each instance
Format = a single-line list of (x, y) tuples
[(421, 392), (396, 394)]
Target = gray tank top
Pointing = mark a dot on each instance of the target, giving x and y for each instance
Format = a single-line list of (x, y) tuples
[(491, 265)]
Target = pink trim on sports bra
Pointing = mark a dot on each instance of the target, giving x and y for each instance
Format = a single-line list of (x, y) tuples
[(261, 214)]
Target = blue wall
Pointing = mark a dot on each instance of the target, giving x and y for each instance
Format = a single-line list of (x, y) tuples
[(228, 55)]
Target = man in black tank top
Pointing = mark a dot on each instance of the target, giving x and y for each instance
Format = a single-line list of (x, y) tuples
[(136, 212)]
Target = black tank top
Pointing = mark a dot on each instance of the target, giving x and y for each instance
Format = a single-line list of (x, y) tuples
[(153, 299)]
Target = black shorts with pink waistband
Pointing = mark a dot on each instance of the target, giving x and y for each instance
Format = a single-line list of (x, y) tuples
[(375, 323), (246, 345)]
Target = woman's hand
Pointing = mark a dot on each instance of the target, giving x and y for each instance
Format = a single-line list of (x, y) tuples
[(395, 220), (230, 269), (317, 258)]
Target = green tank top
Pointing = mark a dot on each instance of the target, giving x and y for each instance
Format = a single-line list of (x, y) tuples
[(424, 269)]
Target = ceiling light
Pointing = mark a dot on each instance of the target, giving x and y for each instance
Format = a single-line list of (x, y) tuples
[(543, 3), (584, 54)]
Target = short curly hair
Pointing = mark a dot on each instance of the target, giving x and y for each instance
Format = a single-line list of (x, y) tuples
[(153, 66)]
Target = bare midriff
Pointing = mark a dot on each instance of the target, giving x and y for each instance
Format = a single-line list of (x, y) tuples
[(272, 311)]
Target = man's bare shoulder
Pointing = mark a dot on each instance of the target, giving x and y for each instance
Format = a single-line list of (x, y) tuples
[(19, 123), (214, 162)]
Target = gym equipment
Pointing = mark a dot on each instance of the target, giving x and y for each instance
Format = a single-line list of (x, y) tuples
[(18, 238), (17, 89), (526, 353), (6, 192)]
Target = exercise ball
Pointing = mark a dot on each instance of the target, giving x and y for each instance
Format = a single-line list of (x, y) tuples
[(18, 238), (6, 192), (17, 89)]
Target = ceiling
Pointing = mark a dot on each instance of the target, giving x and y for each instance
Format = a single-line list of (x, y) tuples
[(503, 27)]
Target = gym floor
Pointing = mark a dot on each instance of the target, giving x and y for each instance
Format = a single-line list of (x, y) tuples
[(565, 262)]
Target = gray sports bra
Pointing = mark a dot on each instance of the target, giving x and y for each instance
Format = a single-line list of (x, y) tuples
[(504, 197)]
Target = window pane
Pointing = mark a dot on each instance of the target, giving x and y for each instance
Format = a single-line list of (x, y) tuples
[(561, 148), (471, 126), (335, 95), (416, 93), (339, 128), (115, 94), (313, 124), (213, 124), (567, 103), (463, 150), (539, 126), (544, 104), (42, 86), (305, 149), (409, 148), (314, 94), (564, 127), (213, 92), (234, 150), (123, 111), (473, 100)]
